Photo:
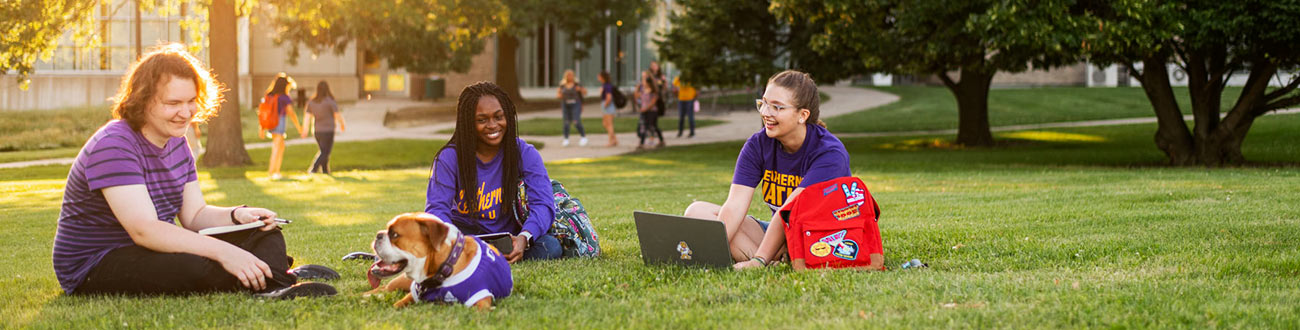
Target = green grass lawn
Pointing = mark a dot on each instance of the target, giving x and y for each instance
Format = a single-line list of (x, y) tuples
[(1057, 228), (934, 108), (626, 123)]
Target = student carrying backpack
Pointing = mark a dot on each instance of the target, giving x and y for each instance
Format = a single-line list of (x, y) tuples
[(268, 113), (833, 224)]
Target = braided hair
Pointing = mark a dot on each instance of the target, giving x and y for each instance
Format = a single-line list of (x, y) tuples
[(465, 140)]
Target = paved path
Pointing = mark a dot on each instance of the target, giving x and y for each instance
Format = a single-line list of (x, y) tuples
[(365, 122)]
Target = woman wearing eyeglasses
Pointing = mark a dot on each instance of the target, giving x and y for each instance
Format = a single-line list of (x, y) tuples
[(792, 151)]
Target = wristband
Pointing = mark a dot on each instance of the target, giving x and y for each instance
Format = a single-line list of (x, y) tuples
[(760, 260), (232, 214)]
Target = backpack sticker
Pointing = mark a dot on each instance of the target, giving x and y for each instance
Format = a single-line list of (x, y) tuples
[(847, 212), (844, 248), (853, 194), (684, 249), (847, 250), (820, 249), (829, 190)]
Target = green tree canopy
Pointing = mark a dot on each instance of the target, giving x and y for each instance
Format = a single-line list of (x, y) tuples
[(33, 28), (1210, 41), (422, 36), (976, 38), (729, 42)]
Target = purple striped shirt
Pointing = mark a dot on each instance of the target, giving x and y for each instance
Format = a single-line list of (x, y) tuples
[(115, 156)]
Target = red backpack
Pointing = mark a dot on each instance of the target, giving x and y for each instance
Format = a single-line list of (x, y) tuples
[(268, 113), (833, 224)]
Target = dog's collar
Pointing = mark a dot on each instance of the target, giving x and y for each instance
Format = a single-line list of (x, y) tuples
[(444, 271)]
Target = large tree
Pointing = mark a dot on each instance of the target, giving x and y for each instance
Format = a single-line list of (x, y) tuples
[(225, 138), (1209, 41), (442, 36), (976, 38), (35, 28), (423, 36), (728, 43)]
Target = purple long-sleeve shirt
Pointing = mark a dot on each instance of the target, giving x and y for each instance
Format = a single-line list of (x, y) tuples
[(541, 201)]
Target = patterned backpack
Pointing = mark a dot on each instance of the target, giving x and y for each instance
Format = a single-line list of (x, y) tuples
[(571, 226)]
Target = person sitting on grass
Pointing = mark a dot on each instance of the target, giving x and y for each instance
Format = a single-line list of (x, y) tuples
[(792, 151), (476, 176), (135, 177)]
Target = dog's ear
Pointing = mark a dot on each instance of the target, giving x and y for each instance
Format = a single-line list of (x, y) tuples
[(434, 230)]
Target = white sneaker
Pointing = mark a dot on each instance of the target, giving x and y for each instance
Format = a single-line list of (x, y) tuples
[(583, 142), (565, 143)]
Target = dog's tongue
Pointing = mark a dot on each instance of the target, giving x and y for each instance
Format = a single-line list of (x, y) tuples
[(371, 275)]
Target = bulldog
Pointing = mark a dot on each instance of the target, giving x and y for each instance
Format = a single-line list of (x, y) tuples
[(437, 264)]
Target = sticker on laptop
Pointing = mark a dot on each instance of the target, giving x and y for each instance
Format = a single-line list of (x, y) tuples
[(684, 249)]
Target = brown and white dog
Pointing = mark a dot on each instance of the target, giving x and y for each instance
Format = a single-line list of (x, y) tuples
[(437, 263)]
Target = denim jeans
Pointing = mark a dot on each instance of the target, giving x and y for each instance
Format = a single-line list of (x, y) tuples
[(685, 110), (573, 115), (544, 247)]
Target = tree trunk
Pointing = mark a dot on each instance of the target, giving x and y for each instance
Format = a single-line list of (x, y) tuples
[(1172, 135), (225, 137), (972, 94), (507, 74)]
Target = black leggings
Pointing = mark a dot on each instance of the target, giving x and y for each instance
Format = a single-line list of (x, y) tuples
[(325, 141), (138, 270), (651, 120)]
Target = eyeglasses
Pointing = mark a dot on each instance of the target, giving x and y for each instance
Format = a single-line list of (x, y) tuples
[(761, 105)]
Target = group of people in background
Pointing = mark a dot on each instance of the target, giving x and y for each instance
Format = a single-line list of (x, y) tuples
[(322, 110), (651, 90)]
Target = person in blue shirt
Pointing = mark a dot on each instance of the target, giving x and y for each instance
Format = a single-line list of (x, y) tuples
[(476, 177)]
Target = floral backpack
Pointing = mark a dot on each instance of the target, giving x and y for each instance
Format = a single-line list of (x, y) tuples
[(571, 226)]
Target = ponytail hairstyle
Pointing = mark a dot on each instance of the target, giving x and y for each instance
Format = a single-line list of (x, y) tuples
[(805, 92), (465, 141)]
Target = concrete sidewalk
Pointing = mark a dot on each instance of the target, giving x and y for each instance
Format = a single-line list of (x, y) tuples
[(365, 122)]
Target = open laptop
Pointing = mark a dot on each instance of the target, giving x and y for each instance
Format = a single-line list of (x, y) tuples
[(675, 239)]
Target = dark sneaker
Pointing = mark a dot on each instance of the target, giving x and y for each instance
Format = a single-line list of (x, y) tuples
[(308, 289), (314, 272)]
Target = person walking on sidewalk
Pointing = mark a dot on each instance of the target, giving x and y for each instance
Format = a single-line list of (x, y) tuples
[(607, 89), (685, 105), (325, 112), (647, 94), (279, 91), (570, 94)]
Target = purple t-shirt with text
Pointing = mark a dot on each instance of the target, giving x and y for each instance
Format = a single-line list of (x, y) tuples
[(444, 181), (115, 156), (766, 166)]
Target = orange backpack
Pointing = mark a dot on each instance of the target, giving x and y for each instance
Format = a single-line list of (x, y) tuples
[(268, 113)]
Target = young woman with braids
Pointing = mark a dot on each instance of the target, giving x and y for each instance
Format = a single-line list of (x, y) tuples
[(793, 150), (476, 176)]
